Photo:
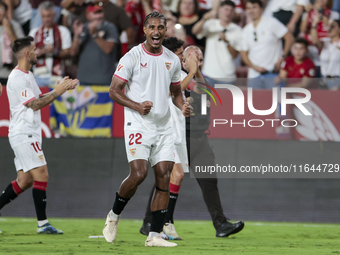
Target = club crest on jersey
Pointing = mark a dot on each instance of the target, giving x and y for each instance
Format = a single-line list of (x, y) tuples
[(24, 93), (145, 65), (168, 65), (133, 152), (41, 157), (120, 66)]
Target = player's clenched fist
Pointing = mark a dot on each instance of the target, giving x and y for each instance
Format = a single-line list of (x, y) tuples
[(186, 109), (145, 107)]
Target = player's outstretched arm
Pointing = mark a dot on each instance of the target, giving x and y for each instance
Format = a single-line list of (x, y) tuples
[(117, 95), (59, 89), (178, 100), (0, 88)]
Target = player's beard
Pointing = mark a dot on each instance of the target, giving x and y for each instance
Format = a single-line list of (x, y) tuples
[(33, 61)]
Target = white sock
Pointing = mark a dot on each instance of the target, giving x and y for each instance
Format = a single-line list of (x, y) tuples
[(42, 222), (113, 216), (152, 234)]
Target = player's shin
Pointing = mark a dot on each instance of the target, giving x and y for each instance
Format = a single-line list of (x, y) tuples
[(174, 189), (10, 193), (119, 205), (157, 223), (39, 197)]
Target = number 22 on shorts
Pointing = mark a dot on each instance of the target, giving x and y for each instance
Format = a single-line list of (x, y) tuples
[(137, 137)]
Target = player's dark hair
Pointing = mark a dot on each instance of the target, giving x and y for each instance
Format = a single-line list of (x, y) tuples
[(172, 43), (21, 43), (196, 6), (302, 41), (154, 14), (4, 5), (228, 2), (259, 2)]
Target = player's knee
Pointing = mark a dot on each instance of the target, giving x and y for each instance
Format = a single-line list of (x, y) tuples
[(25, 183), (178, 176), (139, 177)]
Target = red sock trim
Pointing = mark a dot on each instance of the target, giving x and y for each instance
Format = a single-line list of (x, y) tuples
[(40, 185), (174, 188), (16, 188)]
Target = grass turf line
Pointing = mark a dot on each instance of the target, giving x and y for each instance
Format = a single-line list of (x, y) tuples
[(19, 237)]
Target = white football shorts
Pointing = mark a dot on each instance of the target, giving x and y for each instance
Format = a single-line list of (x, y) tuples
[(29, 155), (181, 156), (152, 146)]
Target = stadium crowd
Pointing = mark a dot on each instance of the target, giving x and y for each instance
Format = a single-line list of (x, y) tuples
[(270, 42)]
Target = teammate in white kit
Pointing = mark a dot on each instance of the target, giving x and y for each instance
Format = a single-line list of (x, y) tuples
[(150, 72), (26, 100)]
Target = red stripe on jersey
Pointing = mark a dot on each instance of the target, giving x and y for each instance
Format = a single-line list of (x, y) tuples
[(21, 70), (29, 100), (120, 78), (16, 187), (40, 185), (151, 54), (175, 83)]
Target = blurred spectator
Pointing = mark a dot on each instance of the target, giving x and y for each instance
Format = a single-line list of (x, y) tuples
[(95, 43), (289, 13), (20, 11), (298, 69), (321, 10), (53, 43), (9, 31), (223, 44), (137, 11), (112, 13), (36, 20), (262, 46), (330, 53), (174, 29), (188, 14)]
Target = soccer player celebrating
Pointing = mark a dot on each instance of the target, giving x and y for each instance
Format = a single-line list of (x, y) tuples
[(181, 155), (25, 100), (151, 72)]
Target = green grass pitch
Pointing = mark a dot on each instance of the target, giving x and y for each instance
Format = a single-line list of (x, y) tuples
[(19, 237)]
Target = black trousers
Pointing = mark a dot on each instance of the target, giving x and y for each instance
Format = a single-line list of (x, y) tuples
[(201, 154)]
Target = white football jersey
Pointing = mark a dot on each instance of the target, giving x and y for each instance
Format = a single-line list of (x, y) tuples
[(178, 119), (148, 78), (21, 89)]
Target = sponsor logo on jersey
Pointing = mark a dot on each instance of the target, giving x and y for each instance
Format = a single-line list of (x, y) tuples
[(302, 71), (145, 65), (24, 93), (41, 157), (168, 65), (133, 152), (120, 66)]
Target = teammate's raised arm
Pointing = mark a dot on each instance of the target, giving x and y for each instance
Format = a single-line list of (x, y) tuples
[(46, 99)]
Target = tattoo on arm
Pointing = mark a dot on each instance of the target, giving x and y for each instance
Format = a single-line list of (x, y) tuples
[(44, 100)]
